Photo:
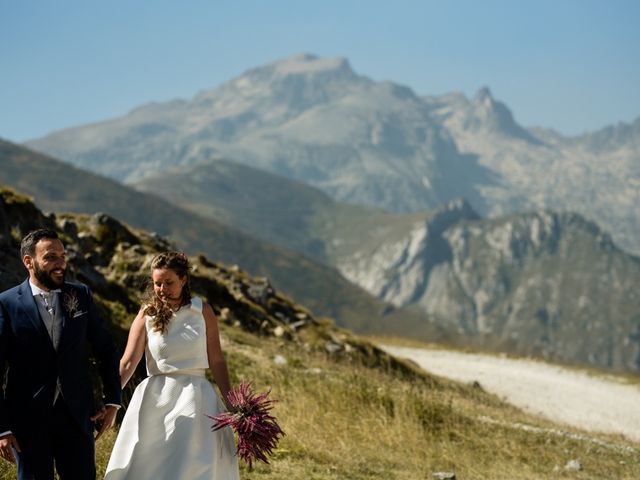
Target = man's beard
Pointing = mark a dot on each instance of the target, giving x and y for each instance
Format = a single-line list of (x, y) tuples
[(45, 277)]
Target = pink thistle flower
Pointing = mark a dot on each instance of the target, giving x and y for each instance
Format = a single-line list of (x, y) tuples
[(257, 430)]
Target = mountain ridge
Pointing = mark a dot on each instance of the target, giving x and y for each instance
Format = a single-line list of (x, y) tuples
[(378, 144)]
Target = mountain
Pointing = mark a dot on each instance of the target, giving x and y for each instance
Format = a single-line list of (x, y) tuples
[(483, 115), (527, 283), (305, 118), (59, 186), (372, 143)]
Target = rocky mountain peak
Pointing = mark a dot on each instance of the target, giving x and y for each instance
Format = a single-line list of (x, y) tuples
[(287, 86), (309, 64), (454, 211), (484, 99), (491, 110), (303, 66), (460, 206), (613, 137), (496, 117)]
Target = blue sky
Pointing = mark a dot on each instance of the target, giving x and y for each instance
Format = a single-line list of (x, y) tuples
[(571, 65)]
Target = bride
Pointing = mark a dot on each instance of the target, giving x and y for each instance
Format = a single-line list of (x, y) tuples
[(165, 433)]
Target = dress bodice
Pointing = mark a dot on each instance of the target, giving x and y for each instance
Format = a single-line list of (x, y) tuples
[(183, 346), (165, 433)]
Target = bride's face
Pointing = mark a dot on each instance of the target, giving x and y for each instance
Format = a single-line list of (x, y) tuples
[(168, 285)]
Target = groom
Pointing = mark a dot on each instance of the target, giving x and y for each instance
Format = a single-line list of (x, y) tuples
[(46, 328)]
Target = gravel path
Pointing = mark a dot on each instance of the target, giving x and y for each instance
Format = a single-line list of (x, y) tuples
[(605, 404)]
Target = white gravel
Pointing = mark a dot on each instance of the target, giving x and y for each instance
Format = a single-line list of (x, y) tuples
[(596, 403)]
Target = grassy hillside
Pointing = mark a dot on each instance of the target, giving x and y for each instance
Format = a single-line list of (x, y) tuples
[(349, 411), (347, 421), (56, 186)]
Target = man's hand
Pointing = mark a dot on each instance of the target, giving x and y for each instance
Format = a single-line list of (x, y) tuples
[(104, 419), (7, 444)]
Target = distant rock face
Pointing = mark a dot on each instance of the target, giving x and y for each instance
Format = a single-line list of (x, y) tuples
[(596, 175), (483, 115), (545, 284), (398, 271)]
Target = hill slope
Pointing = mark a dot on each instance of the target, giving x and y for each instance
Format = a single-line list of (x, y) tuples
[(334, 389), (271, 207), (59, 186)]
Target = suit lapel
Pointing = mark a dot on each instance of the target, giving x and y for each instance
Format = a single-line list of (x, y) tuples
[(30, 308), (65, 289), (69, 322)]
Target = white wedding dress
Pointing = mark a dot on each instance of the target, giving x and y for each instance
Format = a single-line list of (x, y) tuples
[(165, 433)]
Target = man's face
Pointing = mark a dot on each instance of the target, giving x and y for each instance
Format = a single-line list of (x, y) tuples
[(49, 264)]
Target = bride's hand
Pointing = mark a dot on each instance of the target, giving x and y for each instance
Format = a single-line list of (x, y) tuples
[(230, 408)]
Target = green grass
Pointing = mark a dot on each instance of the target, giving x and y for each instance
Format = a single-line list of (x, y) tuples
[(346, 421)]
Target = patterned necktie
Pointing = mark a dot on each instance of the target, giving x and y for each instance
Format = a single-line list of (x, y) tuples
[(47, 298), (54, 322)]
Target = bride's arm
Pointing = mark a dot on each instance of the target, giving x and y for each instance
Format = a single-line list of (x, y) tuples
[(217, 363), (135, 348)]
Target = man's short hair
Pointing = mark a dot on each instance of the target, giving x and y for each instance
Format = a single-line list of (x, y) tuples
[(28, 244)]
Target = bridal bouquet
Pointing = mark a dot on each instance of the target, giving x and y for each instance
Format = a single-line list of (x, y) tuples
[(257, 430)]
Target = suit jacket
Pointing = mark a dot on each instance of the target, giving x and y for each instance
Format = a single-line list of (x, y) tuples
[(34, 365)]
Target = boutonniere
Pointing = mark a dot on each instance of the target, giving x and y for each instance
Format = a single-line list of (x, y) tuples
[(71, 304)]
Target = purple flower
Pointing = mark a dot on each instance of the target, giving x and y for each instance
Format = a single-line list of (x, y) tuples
[(257, 430)]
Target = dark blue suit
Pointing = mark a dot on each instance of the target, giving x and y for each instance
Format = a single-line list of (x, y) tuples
[(34, 366)]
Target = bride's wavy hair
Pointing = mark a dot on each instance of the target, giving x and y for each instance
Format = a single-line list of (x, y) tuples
[(159, 311)]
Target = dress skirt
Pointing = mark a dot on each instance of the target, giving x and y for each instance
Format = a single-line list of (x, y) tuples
[(166, 434)]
